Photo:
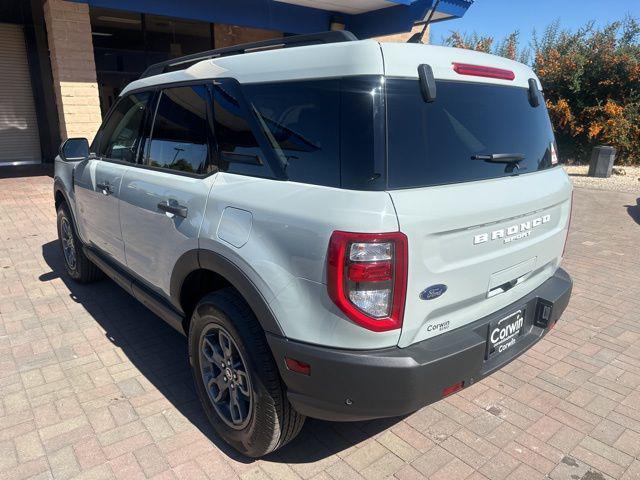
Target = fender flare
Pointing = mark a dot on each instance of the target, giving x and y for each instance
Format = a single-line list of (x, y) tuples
[(208, 260), (58, 186)]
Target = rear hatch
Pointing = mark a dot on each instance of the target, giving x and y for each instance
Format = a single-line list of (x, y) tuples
[(481, 234)]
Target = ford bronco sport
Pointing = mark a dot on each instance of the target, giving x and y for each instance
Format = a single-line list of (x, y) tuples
[(342, 229)]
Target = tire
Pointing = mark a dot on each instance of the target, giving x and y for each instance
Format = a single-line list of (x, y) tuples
[(270, 421), (76, 263)]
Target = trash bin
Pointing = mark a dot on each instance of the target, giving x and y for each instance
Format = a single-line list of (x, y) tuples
[(601, 162)]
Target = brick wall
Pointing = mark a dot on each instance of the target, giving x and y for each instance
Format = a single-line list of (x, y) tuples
[(228, 35), (403, 37), (73, 68)]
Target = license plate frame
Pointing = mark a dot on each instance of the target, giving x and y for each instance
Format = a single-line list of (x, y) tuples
[(503, 334)]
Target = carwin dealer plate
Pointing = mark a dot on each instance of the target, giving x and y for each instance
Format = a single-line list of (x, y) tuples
[(504, 333)]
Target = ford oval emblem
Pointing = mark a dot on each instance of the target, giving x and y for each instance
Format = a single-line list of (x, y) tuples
[(434, 291)]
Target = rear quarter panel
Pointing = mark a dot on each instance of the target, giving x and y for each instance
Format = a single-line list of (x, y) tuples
[(284, 253)]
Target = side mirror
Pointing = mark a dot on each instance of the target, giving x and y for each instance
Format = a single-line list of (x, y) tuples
[(74, 149)]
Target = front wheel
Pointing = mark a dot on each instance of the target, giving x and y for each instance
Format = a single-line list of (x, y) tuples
[(76, 263), (236, 377)]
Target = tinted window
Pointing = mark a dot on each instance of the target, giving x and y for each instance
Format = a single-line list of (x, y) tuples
[(238, 149), (433, 143), (119, 138), (302, 122), (179, 139), (325, 132), (363, 153)]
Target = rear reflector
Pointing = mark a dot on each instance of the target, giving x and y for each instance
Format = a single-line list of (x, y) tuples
[(297, 366), (481, 71), (456, 387)]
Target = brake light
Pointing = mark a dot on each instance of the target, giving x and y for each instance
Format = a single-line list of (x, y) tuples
[(481, 71), (370, 271), (367, 277)]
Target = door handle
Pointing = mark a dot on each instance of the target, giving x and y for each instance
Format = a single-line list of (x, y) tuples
[(105, 187), (172, 206)]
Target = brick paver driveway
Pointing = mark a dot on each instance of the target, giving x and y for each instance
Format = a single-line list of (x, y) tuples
[(92, 385)]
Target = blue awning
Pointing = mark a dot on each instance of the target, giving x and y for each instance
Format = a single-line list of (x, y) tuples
[(365, 18)]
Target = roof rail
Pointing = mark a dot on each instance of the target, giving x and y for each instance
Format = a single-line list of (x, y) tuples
[(333, 36)]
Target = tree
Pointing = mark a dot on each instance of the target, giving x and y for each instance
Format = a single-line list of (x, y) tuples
[(509, 47)]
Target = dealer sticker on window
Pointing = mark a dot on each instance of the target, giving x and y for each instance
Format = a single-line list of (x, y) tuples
[(504, 334)]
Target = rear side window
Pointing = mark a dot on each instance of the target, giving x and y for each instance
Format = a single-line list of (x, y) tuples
[(179, 138), (433, 143), (325, 132), (302, 123), (119, 138)]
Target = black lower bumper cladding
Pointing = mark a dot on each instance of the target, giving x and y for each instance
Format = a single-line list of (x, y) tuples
[(346, 385)]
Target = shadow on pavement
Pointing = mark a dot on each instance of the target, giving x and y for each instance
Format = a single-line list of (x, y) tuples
[(160, 354), (634, 211), (27, 170)]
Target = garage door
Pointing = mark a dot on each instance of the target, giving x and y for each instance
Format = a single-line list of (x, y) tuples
[(19, 140)]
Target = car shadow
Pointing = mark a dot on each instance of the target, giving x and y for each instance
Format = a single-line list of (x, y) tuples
[(634, 211), (160, 354)]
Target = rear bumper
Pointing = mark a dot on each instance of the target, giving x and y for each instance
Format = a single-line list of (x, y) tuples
[(347, 385)]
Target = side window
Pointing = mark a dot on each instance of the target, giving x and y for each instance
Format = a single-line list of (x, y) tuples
[(179, 138), (120, 135), (302, 122), (238, 149)]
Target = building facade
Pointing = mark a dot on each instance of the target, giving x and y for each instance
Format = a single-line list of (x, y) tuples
[(65, 62)]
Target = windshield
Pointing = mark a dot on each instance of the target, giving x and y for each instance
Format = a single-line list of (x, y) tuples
[(453, 138)]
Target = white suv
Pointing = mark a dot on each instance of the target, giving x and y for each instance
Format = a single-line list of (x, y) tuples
[(343, 229)]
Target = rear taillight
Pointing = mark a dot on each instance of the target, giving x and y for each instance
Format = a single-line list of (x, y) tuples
[(554, 153), (564, 248), (367, 277), (482, 71)]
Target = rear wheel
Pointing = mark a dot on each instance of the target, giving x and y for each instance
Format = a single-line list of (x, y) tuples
[(236, 377), (76, 263)]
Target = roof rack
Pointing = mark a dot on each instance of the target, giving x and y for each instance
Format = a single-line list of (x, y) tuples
[(333, 36)]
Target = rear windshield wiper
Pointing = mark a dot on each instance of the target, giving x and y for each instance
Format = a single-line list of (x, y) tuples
[(500, 157)]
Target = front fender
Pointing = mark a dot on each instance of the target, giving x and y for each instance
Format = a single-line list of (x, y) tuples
[(63, 184)]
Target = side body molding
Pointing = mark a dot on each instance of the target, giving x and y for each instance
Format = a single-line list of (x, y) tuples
[(208, 260)]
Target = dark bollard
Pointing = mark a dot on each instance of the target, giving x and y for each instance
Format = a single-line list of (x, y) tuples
[(601, 162)]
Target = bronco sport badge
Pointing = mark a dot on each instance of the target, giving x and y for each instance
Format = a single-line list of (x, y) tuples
[(512, 232)]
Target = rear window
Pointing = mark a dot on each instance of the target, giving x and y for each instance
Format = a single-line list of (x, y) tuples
[(433, 143)]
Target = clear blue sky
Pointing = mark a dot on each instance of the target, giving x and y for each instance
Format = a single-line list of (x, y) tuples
[(498, 18)]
